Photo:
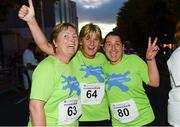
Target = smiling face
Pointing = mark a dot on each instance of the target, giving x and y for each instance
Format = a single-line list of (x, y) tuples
[(113, 48), (90, 45), (90, 40), (66, 43)]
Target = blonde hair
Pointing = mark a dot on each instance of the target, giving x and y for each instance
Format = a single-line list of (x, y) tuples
[(88, 29)]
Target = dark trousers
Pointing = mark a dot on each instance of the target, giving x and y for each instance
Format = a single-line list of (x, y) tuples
[(95, 123)]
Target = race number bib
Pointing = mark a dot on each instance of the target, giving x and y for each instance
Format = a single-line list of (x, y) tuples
[(125, 111), (69, 111), (92, 93)]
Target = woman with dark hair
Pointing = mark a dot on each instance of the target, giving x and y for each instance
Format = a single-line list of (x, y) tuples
[(125, 75)]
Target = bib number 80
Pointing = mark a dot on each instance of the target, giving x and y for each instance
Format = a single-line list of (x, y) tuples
[(123, 112)]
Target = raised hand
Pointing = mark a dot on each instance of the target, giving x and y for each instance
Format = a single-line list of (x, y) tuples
[(27, 13), (152, 49)]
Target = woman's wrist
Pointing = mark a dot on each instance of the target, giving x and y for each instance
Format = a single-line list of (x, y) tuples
[(31, 20), (150, 59)]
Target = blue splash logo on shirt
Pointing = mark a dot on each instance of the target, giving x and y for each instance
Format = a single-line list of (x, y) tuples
[(93, 71), (118, 80), (72, 84)]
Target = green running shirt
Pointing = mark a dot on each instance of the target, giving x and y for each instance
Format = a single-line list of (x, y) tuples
[(90, 75), (127, 98), (54, 83)]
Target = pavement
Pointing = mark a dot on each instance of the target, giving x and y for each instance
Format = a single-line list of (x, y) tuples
[(14, 103)]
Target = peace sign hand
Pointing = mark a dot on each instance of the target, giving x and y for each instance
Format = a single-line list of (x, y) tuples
[(152, 49), (27, 13)]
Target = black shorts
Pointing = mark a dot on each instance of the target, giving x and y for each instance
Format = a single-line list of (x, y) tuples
[(95, 123)]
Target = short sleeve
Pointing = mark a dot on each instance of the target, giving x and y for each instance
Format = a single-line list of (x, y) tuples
[(42, 81)]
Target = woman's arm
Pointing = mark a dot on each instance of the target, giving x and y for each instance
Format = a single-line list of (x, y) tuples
[(27, 14), (151, 62), (37, 114)]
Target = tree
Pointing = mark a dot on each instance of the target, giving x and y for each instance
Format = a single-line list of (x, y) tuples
[(174, 7), (138, 19)]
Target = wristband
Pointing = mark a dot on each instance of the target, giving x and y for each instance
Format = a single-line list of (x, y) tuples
[(149, 59)]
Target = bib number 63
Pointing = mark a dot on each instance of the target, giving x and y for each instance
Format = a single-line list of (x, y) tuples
[(71, 110)]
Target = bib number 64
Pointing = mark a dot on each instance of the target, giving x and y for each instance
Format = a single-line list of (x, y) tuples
[(90, 94)]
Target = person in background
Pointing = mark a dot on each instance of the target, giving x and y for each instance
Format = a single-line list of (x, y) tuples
[(87, 66), (55, 91), (174, 71), (30, 63), (125, 75)]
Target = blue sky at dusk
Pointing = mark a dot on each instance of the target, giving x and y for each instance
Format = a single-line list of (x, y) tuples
[(100, 12)]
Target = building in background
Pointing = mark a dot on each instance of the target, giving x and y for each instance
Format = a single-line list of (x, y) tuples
[(65, 11), (15, 34)]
